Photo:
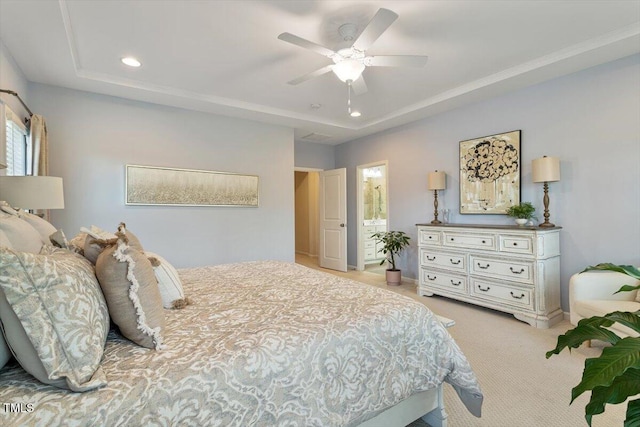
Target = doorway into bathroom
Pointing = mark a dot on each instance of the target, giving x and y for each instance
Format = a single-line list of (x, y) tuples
[(372, 211)]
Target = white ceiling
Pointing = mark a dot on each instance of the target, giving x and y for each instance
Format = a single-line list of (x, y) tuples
[(224, 57)]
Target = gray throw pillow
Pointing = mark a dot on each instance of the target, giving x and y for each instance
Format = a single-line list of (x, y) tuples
[(131, 290)]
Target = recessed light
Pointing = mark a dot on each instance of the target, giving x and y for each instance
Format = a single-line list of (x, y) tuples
[(315, 106), (355, 114), (131, 61)]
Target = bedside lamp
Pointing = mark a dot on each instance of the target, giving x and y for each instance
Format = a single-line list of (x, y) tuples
[(546, 169), (32, 192), (436, 181)]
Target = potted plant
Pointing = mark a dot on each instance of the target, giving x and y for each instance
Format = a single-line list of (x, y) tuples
[(522, 212), (393, 242), (614, 376)]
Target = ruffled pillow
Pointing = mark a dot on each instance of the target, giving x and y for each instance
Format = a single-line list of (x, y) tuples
[(131, 290), (169, 282)]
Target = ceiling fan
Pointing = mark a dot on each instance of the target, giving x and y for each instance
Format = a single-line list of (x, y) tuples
[(349, 63)]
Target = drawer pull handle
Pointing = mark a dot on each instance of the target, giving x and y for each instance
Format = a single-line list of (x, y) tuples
[(483, 267), (454, 262), (484, 290), (515, 244), (432, 278), (484, 241), (430, 237), (516, 272), (517, 297), (456, 284), (430, 259)]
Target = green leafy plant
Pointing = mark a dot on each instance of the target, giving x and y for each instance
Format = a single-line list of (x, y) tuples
[(393, 242), (614, 376), (524, 210)]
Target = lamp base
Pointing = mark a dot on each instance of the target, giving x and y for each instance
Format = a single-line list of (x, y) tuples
[(435, 221), (546, 224)]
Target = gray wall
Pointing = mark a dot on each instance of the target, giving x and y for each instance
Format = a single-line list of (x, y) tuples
[(590, 120), (315, 156), (12, 78), (93, 137)]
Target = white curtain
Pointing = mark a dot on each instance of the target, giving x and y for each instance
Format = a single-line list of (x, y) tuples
[(39, 146), (39, 152)]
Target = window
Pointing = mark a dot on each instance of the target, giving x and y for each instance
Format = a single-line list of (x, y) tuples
[(18, 150)]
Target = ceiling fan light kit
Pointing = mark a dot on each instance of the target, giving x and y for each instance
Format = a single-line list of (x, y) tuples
[(348, 69)]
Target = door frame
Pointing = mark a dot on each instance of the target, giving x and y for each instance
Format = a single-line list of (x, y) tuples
[(360, 206)]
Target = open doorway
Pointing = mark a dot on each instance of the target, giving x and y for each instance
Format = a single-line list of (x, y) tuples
[(321, 217), (372, 211), (306, 216)]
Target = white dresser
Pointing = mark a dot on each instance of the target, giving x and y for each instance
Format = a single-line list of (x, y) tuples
[(507, 268)]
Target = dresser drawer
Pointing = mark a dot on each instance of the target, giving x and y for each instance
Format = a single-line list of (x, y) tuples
[(516, 244), (370, 253), (500, 293), (521, 271), (470, 240), (438, 279), (369, 244), (428, 237), (436, 259), (368, 231)]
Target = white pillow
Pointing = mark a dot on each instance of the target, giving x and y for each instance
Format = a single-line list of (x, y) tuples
[(43, 226), (4, 241), (168, 281), (21, 235)]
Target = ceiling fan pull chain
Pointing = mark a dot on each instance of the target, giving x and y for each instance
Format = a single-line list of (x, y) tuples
[(349, 96)]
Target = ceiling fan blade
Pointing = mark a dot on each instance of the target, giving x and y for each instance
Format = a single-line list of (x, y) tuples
[(299, 41), (359, 86), (396, 61), (374, 29), (316, 73)]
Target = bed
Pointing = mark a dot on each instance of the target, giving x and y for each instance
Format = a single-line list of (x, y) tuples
[(265, 343)]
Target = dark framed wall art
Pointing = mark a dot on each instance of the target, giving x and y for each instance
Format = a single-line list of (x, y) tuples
[(490, 173)]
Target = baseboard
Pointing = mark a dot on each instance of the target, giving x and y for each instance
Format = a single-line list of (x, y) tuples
[(567, 316), (351, 267), (307, 254), (410, 280)]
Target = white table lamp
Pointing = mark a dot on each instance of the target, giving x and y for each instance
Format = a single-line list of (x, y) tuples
[(32, 192)]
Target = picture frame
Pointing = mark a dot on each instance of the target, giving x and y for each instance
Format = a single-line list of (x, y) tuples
[(154, 185), (490, 173)]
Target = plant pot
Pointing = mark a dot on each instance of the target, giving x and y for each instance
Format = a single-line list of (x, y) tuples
[(394, 277), (521, 221)]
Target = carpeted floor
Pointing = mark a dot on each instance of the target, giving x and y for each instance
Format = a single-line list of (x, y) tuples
[(521, 387)]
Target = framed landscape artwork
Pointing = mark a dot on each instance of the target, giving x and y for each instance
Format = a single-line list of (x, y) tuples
[(490, 173), (151, 185)]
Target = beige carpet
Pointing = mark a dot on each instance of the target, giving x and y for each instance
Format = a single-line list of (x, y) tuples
[(521, 387)]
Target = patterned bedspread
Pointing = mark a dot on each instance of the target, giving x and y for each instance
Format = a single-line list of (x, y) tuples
[(265, 344)]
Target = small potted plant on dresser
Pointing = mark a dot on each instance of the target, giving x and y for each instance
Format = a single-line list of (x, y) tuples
[(393, 242), (522, 212)]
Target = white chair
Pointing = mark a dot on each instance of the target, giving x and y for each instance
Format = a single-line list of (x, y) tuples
[(593, 294)]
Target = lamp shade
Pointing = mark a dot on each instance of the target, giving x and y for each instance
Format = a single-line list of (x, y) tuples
[(545, 169), (32, 192), (349, 69), (437, 180)]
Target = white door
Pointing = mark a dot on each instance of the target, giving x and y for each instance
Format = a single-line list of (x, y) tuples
[(333, 219)]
